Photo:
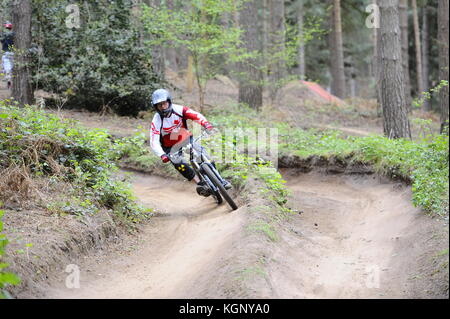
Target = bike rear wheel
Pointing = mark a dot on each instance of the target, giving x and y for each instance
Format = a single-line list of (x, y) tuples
[(219, 185)]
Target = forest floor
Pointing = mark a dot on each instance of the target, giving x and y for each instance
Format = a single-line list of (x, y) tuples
[(357, 237), (354, 236)]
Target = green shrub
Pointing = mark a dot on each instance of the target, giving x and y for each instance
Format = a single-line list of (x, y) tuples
[(424, 163), (6, 278), (99, 65), (42, 144)]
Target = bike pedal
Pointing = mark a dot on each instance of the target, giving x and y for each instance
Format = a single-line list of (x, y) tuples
[(203, 192)]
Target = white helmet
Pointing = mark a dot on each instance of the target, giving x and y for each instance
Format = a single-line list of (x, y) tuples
[(162, 95)]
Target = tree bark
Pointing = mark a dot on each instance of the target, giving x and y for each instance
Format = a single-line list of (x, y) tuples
[(395, 114), (419, 69), (136, 14), (443, 61), (21, 19), (425, 56), (376, 66), (265, 40), (170, 52), (301, 44), (277, 69), (403, 9), (158, 56), (250, 88), (337, 52)]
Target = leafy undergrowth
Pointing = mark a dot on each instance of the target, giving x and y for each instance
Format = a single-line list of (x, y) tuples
[(58, 167), (35, 144), (423, 163), (6, 278)]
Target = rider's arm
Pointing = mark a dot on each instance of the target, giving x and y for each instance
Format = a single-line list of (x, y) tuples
[(155, 134), (196, 117)]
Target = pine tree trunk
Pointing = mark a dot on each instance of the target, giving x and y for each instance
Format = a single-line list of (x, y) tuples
[(376, 66), (395, 114), (443, 61), (425, 56), (170, 52), (190, 75), (277, 69), (419, 68), (136, 14), (265, 41), (21, 20), (158, 59), (337, 52), (250, 88), (182, 54), (403, 8), (301, 45)]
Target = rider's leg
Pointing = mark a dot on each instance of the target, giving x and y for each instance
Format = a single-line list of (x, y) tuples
[(7, 61), (186, 170)]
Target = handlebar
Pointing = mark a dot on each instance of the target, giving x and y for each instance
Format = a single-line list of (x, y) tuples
[(191, 143)]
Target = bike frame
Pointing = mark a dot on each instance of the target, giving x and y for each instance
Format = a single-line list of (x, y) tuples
[(198, 159)]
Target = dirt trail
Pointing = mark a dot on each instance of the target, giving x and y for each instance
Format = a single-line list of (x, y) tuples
[(357, 237), (189, 233)]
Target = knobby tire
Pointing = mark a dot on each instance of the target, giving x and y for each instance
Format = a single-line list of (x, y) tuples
[(219, 185)]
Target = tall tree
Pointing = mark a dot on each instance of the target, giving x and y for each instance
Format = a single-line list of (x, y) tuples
[(337, 52), (21, 18), (403, 10), (443, 60), (170, 51), (376, 65), (395, 114), (301, 44), (198, 31), (265, 37), (419, 68), (250, 83), (277, 65), (425, 55), (158, 56)]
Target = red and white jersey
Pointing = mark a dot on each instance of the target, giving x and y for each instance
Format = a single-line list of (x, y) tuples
[(172, 130)]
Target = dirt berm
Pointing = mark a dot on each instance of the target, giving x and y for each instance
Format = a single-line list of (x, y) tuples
[(352, 236)]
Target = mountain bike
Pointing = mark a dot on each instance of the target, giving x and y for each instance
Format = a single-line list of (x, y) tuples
[(207, 171)]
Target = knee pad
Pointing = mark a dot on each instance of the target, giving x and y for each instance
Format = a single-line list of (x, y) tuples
[(185, 170)]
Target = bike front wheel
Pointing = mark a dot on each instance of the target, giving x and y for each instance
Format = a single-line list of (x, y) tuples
[(219, 185)]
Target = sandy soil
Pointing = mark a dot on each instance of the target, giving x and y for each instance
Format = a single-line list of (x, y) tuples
[(356, 237), (189, 233)]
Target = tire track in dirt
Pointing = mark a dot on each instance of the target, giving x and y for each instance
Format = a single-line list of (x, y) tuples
[(190, 233), (357, 237)]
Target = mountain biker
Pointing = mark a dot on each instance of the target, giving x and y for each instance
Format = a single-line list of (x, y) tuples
[(7, 40), (169, 133)]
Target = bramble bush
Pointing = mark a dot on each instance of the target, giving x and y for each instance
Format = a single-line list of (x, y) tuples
[(41, 144)]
